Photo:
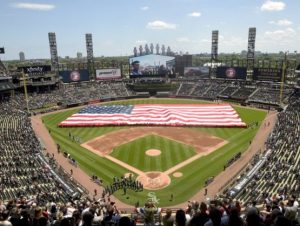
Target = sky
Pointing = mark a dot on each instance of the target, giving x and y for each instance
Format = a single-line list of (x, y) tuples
[(119, 25)]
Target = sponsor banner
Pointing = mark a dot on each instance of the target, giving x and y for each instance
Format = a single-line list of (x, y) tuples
[(74, 76), (42, 69), (232, 72), (267, 74), (110, 73), (202, 72)]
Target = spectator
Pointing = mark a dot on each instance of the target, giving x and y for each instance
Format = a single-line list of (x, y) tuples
[(290, 210), (200, 218), (282, 221), (253, 218), (87, 218), (150, 210), (4, 218), (234, 218), (180, 218), (215, 217), (168, 219), (112, 216), (125, 221)]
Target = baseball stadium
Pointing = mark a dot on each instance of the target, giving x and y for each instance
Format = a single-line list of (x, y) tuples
[(155, 137)]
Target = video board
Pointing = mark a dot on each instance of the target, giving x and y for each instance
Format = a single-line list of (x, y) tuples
[(156, 65), (74, 76), (201, 72), (232, 72)]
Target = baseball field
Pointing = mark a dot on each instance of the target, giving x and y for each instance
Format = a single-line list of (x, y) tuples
[(168, 160)]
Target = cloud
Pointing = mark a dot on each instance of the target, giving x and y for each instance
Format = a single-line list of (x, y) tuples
[(145, 8), (204, 40), (34, 6), (183, 39), (160, 25), (140, 42), (270, 6), (281, 35), (283, 22), (194, 14)]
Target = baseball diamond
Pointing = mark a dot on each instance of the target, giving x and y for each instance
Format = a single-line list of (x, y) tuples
[(115, 151)]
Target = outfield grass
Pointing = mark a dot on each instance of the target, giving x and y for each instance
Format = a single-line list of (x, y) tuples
[(194, 174), (172, 153)]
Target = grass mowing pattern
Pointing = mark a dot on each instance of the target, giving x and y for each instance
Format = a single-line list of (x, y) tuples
[(194, 174), (172, 153)]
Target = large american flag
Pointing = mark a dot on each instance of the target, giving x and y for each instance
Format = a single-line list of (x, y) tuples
[(208, 115)]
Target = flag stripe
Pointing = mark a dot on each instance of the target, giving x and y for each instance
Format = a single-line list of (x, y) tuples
[(212, 115)]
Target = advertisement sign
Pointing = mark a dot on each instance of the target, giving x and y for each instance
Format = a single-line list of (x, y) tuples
[(202, 72), (74, 76), (32, 70), (110, 73), (232, 72), (151, 65), (267, 74)]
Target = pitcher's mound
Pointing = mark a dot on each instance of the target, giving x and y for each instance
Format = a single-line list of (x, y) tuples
[(153, 152), (154, 180)]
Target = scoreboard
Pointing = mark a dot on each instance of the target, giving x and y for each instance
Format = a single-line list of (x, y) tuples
[(267, 74)]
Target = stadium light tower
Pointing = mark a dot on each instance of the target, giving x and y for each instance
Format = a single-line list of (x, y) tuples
[(90, 54), (284, 63)]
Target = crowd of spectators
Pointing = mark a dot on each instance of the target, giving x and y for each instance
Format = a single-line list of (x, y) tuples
[(228, 91), (103, 212), (72, 94), (78, 93), (243, 92), (280, 174), (28, 212), (269, 94), (265, 93), (85, 92), (185, 89), (25, 173), (215, 88)]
